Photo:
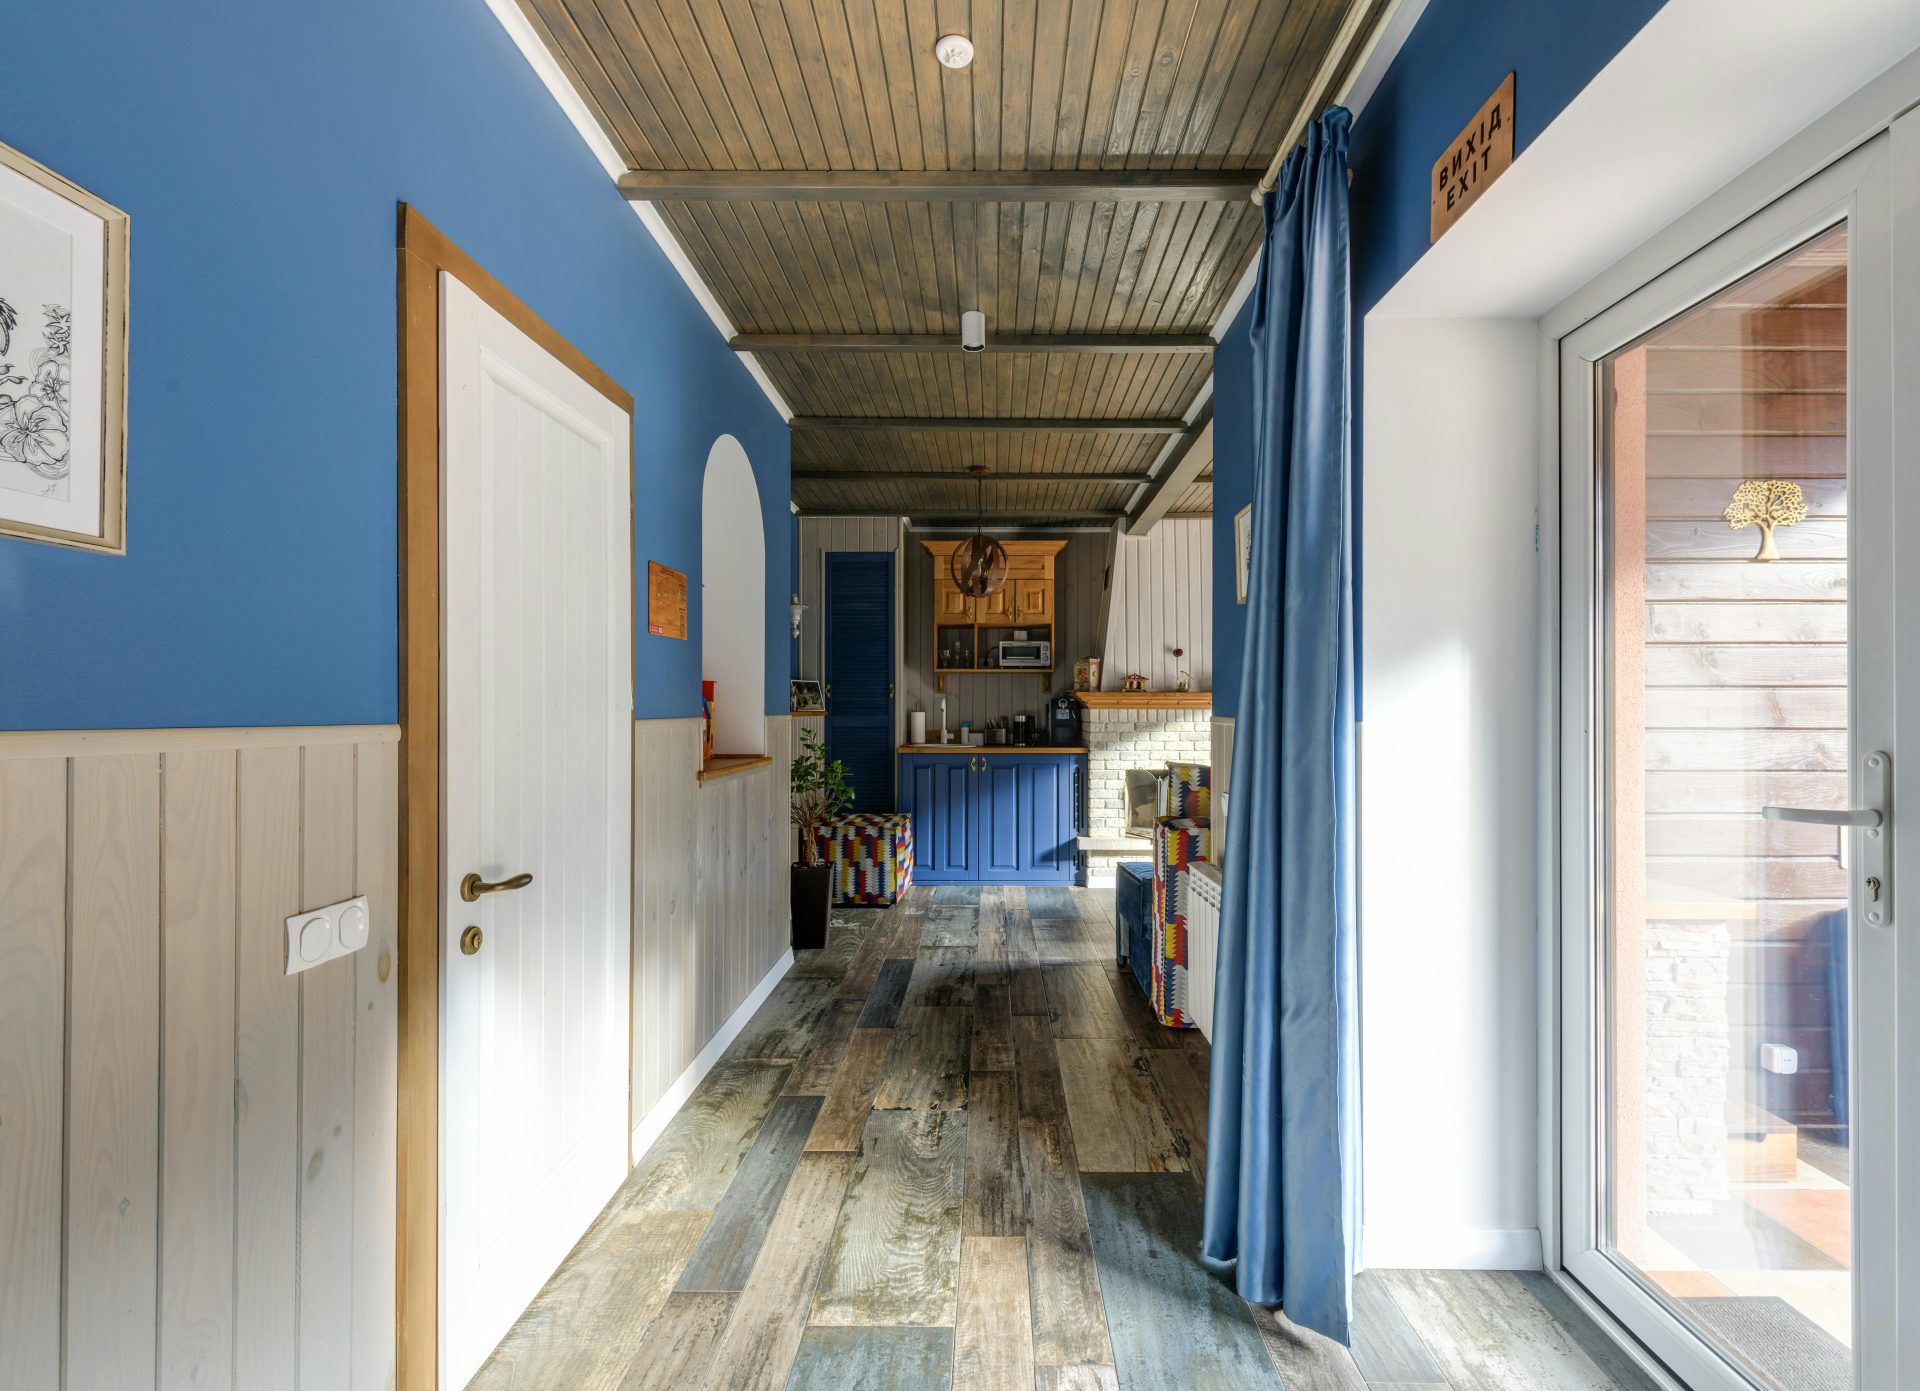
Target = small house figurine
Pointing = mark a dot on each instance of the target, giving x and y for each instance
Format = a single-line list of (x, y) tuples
[(1134, 681)]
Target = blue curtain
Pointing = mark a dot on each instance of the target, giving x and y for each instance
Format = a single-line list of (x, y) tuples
[(1282, 1198)]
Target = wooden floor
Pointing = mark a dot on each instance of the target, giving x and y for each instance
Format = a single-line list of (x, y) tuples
[(954, 1149)]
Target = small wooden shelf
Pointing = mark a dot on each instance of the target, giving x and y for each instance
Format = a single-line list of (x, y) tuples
[(803, 714), (1145, 700), (725, 765)]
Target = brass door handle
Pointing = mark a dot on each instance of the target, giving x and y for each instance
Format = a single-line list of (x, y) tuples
[(473, 886)]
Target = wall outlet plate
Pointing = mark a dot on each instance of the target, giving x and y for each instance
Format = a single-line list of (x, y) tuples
[(319, 935)]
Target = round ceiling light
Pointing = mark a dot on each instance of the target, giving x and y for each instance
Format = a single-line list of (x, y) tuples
[(954, 50)]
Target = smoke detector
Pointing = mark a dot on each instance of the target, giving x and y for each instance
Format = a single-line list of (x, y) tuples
[(954, 50)]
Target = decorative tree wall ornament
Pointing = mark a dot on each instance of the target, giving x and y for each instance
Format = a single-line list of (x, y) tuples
[(1766, 503), (979, 563)]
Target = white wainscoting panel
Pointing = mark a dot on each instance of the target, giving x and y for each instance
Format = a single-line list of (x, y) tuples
[(710, 898), (196, 1151)]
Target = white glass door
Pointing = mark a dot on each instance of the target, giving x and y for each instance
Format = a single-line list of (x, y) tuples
[(1729, 962)]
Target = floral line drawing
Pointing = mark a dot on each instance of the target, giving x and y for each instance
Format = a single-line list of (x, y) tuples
[(33, 424)]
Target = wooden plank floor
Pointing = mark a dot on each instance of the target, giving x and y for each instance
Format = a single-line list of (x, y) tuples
[(954, 1150)]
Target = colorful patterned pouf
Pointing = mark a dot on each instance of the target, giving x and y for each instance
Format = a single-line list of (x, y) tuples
[(1177, 843), (871, 854)]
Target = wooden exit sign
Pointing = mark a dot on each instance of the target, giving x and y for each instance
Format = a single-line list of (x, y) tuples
[(1479, 155)]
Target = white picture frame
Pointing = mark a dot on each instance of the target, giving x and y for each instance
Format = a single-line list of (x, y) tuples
[(63, 360), (1242, 551)]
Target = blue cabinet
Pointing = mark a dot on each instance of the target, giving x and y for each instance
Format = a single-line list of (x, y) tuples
[(992, 818)]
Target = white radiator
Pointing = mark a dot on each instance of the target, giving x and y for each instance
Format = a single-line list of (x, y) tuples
[(1203, 942)]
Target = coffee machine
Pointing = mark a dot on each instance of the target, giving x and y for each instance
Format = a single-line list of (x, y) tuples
[(1063, 721)]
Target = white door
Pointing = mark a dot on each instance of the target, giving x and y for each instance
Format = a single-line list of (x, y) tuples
[(1733, 722), (538, 711)]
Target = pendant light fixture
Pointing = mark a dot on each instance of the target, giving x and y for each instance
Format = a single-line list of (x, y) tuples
[(979, 564)]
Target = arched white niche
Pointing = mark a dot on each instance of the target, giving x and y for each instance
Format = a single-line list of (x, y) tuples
[(733, 599)]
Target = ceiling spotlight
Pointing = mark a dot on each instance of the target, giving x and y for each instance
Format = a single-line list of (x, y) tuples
[(954, 50), (973, 331)]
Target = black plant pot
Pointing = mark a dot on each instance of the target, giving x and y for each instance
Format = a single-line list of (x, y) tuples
[(812, 898)]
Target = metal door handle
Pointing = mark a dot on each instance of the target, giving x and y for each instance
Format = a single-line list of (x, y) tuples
[(1815, 816), (1876, 861), (473, 886)]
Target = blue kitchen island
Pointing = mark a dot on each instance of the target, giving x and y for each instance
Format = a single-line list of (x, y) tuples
[(994, 815)]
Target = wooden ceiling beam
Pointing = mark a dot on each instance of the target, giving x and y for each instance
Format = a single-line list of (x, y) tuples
[(1193, 453), (967, 423), (855, 475), (950, 343), (939, 186)]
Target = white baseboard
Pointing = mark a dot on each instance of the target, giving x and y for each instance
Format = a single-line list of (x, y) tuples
[(668, 1106), (1451, 1248)]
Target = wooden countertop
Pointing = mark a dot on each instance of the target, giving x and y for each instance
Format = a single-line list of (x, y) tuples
[(993, 748), (725, 765)]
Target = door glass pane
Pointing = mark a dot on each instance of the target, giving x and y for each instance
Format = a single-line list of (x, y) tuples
[(1725, 573)]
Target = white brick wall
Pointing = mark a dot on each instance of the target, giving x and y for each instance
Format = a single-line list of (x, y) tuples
[(1118, 740)]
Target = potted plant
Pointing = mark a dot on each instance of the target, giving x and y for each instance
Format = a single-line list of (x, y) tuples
[(820, 793)]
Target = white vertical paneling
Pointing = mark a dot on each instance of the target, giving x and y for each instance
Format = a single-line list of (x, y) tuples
[(710, 914), (267, 1066), (33, 883), (196, 1131), (113, 1081), (1162, 599), (146, 876), (326, 1079), (376, 1051)]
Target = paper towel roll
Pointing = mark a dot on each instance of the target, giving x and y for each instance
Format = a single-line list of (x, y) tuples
[(916, 726)]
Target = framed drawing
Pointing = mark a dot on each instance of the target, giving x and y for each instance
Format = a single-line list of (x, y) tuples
[(1242, 551), (805, 695), (63, 360)]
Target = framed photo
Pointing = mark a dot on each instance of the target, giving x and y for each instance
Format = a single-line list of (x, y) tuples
[(1242, 551), (805, 695), (63, 360)]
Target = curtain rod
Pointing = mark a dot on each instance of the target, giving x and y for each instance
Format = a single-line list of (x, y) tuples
[(1316, 100)]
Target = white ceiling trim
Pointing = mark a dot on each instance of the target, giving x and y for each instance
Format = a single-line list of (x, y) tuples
[(527, 40)]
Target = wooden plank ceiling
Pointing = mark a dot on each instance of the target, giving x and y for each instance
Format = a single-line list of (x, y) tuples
[(1156, 95)]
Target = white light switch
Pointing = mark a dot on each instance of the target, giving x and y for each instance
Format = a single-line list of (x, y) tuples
[(321, 934)]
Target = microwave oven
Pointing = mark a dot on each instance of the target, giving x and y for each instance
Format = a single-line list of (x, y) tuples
[(1026, 654)]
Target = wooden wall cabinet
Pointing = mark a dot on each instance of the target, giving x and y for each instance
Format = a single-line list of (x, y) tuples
[(967, 629)]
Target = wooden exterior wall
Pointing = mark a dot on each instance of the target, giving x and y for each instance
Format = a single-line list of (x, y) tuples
[(710, 895), (1746, 663), (1162, 599), (196, 1150)]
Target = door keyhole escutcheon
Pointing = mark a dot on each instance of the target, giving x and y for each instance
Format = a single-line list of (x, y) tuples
[(470, 940)]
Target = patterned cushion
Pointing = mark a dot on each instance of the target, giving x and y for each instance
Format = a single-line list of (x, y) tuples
[(1189, 790), (1177, 843), (871, 854)]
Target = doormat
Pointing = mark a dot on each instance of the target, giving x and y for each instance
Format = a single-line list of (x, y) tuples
[(1783, 1345)]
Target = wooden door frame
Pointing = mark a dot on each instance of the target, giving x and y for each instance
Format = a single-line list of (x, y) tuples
[(424, 251)]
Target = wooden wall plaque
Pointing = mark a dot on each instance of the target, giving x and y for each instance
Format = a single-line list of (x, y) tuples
[(1479, 154), (666, 602)]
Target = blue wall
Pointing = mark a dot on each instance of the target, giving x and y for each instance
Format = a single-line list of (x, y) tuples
[(261, 149), (1451, 62)]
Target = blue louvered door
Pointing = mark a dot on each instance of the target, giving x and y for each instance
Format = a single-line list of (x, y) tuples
[(859, 672)]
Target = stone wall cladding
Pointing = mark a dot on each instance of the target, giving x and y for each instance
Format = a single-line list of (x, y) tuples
[(1688, 1062)]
